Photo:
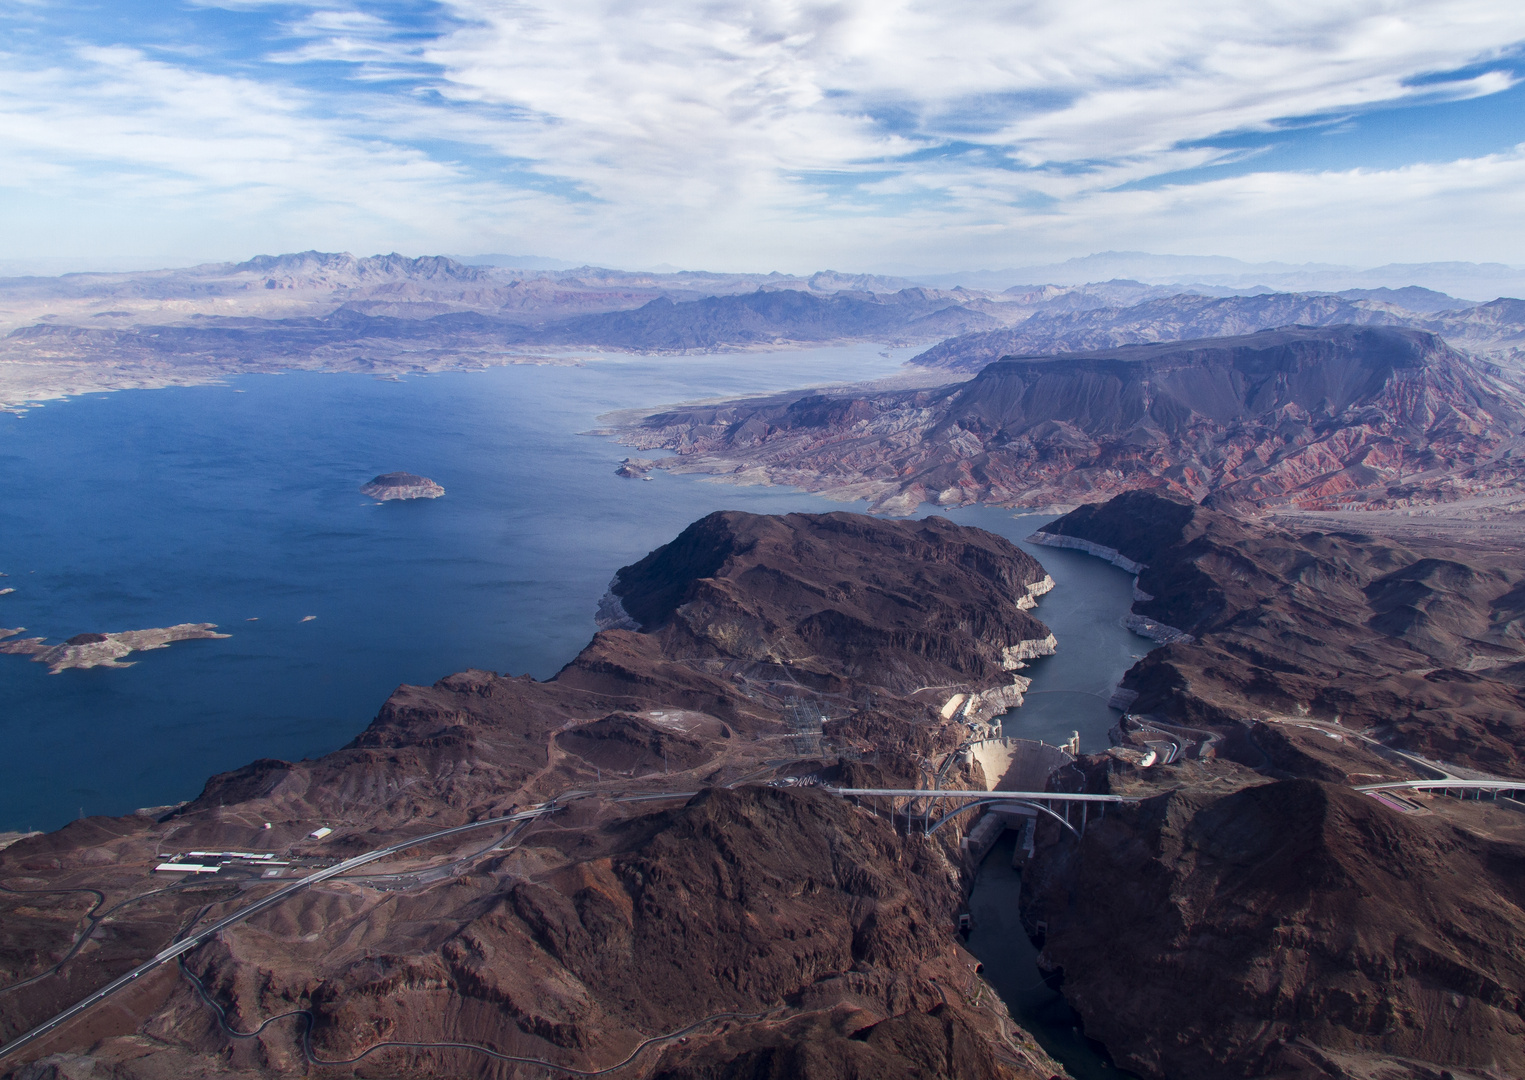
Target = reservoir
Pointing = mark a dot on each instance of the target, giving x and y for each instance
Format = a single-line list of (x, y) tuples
[(239, 505)]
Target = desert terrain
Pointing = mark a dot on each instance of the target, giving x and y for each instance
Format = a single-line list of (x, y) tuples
[(651, 881)]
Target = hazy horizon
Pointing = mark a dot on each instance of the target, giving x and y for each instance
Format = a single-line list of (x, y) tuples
[(1471, 281)]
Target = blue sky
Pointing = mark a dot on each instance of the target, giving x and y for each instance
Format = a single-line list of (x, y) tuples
[(886, 135)]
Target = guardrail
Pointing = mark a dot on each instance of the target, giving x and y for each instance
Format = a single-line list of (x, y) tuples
[(930, 797)]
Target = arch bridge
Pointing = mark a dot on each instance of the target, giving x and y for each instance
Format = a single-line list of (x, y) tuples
[(932, 808)]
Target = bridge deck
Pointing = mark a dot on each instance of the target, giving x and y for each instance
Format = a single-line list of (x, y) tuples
[(944, 793), (1449, 783)]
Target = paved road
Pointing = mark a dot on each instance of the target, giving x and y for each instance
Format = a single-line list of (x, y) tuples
[(1452, 783), (257, 906), (945, 793)]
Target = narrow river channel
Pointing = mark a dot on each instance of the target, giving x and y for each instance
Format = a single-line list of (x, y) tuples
[(1069, 694)]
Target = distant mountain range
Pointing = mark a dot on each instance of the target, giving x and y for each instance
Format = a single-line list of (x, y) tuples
[(1473, 281), (1495, 329), (335, 311)]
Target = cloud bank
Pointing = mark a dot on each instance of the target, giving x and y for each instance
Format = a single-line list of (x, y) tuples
[(891, 135)]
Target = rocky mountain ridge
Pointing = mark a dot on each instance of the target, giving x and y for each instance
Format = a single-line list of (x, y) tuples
[(1278, 921), (1495, 330), (1313, 418), (746, 926), (1475, 281), (1253, 914), (387, 313)]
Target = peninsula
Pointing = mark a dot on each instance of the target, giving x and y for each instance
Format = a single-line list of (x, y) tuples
[(1334, 418)]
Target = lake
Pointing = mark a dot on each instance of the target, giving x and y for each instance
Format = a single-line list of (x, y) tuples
[(232, 503)]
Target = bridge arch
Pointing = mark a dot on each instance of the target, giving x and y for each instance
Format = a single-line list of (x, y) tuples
[(951, 814)]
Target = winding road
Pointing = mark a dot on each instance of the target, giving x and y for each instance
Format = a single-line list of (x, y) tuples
[(181, 947)]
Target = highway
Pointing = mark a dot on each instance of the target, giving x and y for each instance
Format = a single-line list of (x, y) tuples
[(191, 942), (944, 793), (1452, 783)]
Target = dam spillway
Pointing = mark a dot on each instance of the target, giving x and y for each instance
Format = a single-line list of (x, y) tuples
[(1012, 764)]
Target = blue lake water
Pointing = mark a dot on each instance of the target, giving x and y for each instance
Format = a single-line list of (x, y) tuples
[(228, 503)]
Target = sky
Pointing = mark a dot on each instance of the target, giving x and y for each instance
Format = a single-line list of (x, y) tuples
[(863, 135)]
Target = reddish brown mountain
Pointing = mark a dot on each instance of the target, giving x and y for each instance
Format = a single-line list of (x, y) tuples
[(1419, 643), (1305, 417), (1292, 929), (823, 599), (766, 930), (1256, 915)]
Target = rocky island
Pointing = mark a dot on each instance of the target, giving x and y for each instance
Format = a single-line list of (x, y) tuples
[(102, 650), (402, 485)]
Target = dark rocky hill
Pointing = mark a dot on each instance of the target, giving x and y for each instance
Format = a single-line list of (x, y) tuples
[(1420, 642), (745, 927), (1338, 416), (1275, 921), (814, 593), (1292, 929)]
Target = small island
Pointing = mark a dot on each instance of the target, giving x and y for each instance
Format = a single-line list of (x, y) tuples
[(102, 650), (402, 485)]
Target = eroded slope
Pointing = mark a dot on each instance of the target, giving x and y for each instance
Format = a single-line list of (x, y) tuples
[(1313, 418), (734, 924), (1256, 914)]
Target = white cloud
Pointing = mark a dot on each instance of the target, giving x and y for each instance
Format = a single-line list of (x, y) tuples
[(776, 132)]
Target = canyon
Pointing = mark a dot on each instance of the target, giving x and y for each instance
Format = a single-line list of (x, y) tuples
[(1278, 920), (666, 883), (655, 878)]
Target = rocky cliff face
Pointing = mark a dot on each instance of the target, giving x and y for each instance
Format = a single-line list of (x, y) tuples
[(731, 927), (1416, 642), (1291, 929), (1313, 418), (1256, 915)]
